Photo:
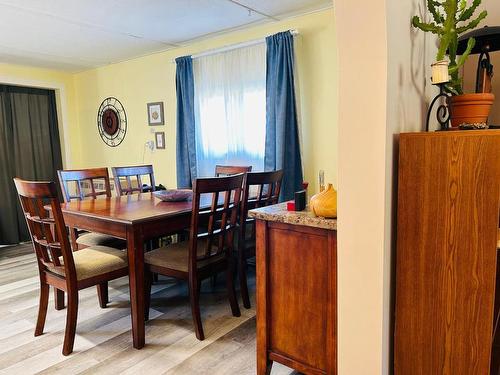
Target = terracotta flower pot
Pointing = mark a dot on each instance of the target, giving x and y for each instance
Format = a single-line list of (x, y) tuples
[(470, 108)]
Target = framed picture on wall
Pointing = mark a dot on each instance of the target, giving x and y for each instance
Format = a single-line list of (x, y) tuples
[(155, 114), (160, 140)]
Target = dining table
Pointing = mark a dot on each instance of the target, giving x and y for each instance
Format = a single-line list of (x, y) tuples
[(135, 218)]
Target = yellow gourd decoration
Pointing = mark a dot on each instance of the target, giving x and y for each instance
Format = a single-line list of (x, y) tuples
[(325, 203)]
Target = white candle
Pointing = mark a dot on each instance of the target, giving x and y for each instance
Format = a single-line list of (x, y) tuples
[(440, 72)]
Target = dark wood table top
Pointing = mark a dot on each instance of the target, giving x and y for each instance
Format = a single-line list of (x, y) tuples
[(130, 209)]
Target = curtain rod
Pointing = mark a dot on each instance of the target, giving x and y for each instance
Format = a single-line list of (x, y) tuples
[(234, 46)]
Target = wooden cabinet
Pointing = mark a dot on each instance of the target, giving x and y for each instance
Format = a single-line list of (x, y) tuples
[(296, 293), (448, 215)]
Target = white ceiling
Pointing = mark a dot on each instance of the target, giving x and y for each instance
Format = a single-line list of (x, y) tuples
[(75, 35)]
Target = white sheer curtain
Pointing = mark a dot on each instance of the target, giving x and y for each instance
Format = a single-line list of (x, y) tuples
[(230, 108)]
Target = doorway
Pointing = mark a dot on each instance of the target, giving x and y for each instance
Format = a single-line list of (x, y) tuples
[(30, 148)]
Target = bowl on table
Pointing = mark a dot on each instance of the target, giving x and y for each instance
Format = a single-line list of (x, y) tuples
[(174, 195)]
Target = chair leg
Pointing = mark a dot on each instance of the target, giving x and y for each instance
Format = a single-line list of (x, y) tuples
[(149, 246), (242, 273), (155, 243), (42, 308), (148, 279), (58, 299), (194, 297), (71, 317), (214, 280), (73, 235), (102, 294), (231, 290)]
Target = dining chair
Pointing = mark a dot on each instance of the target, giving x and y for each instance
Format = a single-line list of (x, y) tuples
[(132, 175), (58, 266), (223, 171), (229, 170), (80, 184), (261, 189), (206, 253)]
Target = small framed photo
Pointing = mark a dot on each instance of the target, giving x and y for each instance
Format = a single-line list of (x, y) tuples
[(160, 140), (155, 114)]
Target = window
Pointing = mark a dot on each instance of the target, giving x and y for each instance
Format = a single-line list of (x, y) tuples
[(230, 108)]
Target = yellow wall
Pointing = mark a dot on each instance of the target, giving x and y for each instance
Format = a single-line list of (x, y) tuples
[(63, 83), (152, 78)]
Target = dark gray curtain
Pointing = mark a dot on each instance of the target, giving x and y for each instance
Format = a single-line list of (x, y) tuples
[(282, 134), (186, 141), (29, 148)]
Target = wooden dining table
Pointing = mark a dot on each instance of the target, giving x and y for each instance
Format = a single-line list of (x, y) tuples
[(135, 218)]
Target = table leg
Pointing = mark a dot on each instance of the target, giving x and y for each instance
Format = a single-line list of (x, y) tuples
[(135, 250)]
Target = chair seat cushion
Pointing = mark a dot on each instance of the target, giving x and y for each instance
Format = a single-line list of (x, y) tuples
[(95, 261), (176, 257), (99, 239)]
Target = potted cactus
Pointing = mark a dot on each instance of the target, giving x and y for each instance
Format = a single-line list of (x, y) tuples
[(450, 19)]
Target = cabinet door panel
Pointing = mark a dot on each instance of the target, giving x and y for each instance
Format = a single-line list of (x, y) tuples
[(298, 288), (448, 208)]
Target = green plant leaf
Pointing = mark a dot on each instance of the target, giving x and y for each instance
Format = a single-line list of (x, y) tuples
[(469, 12), (455, 86), (447, 14), (428, 27), (470, 45), (472, 24), (462, 6), (443, 46), (433, 7), (450, 89)]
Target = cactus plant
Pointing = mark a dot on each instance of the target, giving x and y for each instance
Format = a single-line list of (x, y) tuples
[(450, 19)]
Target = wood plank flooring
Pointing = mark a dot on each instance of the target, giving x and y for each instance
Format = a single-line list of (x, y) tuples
[(103, 343)]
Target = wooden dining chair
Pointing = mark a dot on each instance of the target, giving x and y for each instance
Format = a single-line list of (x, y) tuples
[(206, 253), (58, 266), (229, 170), (132, 176), (261, 189), (80, 184)]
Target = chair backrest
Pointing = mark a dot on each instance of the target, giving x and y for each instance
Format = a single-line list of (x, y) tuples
[(78, 177), (48, 234), (126, 174), (261, 189), (221, 216), (229, 170)]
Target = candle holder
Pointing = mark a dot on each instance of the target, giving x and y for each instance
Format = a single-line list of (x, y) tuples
[(443, 110)]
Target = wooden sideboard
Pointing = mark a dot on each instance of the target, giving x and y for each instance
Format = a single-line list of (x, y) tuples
[(446, 267), (296, 291)]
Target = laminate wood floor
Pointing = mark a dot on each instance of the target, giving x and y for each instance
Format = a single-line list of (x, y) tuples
[(103, 342)]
